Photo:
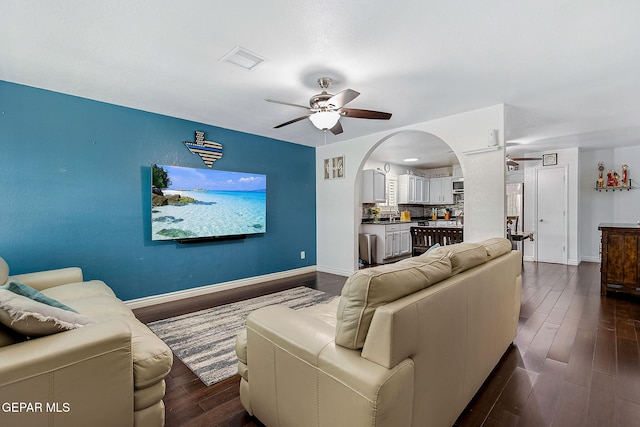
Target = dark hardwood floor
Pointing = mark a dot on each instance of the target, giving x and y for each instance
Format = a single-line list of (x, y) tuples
[(574, 362)]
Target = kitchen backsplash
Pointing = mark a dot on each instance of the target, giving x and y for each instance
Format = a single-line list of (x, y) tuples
[(416, 211)]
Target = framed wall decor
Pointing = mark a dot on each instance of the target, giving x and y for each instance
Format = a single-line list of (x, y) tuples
[(334, 168), (550, 159)]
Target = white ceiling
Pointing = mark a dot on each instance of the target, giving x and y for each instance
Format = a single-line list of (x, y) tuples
[(567, 70)]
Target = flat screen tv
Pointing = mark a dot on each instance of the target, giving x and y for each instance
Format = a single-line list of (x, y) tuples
[(190, 204)]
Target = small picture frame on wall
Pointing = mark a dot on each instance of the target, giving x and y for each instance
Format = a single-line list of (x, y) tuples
[(334, 168), (327, 168), (550, 159), (338, 167)]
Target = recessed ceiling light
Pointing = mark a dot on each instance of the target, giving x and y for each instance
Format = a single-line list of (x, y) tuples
[(410, 159), (242, 57)]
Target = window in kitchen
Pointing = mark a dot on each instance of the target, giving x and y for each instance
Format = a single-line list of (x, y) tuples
[(391, 205)]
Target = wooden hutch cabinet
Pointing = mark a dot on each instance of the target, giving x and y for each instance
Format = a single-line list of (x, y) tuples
[(620, 268)]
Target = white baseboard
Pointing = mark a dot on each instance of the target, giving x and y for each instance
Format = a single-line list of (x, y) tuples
[(334, 271), (208, 289), (569, 261), (591, 258)]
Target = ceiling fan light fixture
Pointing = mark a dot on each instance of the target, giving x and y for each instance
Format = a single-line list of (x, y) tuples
[(326, 109), (410, 159), (325, 120)]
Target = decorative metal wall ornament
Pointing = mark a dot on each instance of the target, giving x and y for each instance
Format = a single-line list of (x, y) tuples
[(208, 151)]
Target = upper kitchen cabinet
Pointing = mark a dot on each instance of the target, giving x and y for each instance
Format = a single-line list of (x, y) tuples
[(373, 186), (441, 190), (413, 189)]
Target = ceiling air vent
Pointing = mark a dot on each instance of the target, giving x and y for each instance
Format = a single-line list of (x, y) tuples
[(242, 57)]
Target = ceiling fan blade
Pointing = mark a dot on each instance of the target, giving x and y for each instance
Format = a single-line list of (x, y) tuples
[(337, 128), (343, 98), (287, 103), (364, 114), (523, 159), (291, 121), (511, 163)]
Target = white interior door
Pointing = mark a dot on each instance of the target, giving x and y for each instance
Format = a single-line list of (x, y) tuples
[(551, 214)]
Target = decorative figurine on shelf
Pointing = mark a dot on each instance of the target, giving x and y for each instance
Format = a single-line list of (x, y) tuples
[(616, 179), (375, 212), (600, 179), (610, 178), (625, 181)]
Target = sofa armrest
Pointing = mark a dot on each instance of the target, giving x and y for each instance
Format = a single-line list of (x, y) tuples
[(297, 372), (71, 377), (47, 279), (292, 331)]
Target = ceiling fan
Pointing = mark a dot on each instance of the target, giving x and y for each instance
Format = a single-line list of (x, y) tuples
[(513, 161), (325, 109)]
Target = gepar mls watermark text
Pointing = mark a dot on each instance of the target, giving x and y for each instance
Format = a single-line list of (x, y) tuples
[(35, 407)]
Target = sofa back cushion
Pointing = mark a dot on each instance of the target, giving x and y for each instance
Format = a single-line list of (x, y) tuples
[(463, 255), (496, 247), (371, 288)]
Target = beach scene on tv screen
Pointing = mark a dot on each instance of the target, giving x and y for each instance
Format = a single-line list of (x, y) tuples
[(191, 203)]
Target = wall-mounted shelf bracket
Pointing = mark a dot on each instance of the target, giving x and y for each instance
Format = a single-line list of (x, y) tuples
[(483, 150)]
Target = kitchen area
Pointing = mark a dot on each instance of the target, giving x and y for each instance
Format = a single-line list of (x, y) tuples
[(406, 210)]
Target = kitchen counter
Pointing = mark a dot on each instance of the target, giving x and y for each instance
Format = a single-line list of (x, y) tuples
[(393, 239), (440, 222), (386, 222)]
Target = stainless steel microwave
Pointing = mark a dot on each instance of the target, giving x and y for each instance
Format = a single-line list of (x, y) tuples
[(458, 186)]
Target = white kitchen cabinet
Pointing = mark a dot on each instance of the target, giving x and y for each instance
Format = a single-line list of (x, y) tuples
[(447, 190), (393, 240), (405, 240), (373, 186), (441, 190), (392, 243), (457, 171), (406, 189), (422, 190), (413, 189)]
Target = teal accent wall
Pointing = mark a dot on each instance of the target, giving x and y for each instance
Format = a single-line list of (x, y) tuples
[(74, 186)]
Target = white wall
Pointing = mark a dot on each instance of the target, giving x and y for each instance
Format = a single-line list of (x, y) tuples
[(394, 169), (610, 206), (570, 158), (338, 201)]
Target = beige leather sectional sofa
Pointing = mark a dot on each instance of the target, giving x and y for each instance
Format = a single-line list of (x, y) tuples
[(107, 370), (406, 344)]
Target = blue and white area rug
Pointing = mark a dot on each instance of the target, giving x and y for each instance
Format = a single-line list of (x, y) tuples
[(205, 340)]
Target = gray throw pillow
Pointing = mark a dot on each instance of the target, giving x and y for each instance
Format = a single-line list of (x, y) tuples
[(29, 292), (35, 319)]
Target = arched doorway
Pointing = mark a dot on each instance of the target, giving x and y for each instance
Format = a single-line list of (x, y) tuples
[(419, 170)]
